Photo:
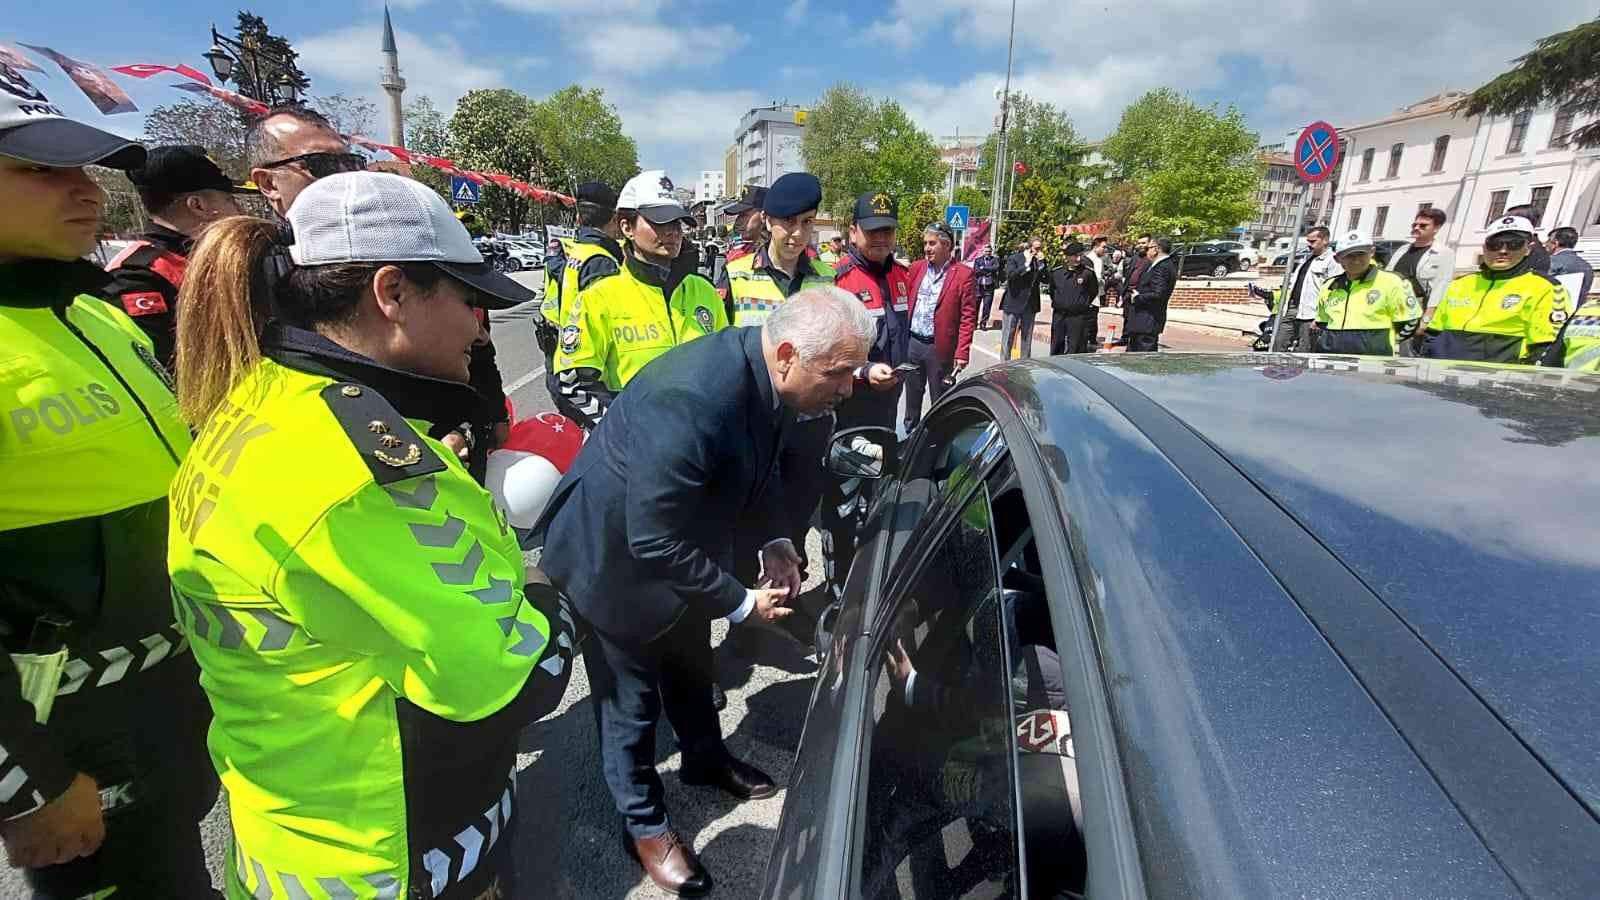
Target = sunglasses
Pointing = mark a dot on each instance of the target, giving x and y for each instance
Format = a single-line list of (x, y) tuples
[(321, 165), (1510, 242)]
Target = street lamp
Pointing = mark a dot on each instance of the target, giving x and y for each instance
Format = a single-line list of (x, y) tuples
[(260, 74)]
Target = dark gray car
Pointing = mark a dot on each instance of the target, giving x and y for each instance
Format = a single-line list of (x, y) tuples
[(1186, 625)]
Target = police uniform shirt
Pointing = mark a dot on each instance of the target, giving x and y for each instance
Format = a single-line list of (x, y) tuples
[(145, 279)]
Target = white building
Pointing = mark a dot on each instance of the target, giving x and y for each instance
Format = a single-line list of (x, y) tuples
[(768, 144), (959, 154), (1473, 168), (713, 185), (1278, 198)]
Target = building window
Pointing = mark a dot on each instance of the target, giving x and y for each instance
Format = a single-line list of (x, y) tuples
[(1540, 200), (1382, 220), (1562, 131), (1497, 206), (1366, 163), (1441, 146), (1394, 160), (1423, 207), (1355, 220), (1519, 131)]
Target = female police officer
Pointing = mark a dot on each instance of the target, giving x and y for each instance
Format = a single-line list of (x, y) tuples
[(355, 600)]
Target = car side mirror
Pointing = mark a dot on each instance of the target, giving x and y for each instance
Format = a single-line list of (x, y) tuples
[(865, 452)]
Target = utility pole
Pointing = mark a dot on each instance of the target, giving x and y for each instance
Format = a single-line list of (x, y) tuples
[(997, 202)]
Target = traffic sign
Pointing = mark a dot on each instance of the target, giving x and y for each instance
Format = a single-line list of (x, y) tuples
[(957, 217), (463, 190), (1316, 153)]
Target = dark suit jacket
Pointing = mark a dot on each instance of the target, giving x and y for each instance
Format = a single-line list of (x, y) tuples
[(1149, 312), (1022, 286), (640, 530), (955, 313), (1568, 262)]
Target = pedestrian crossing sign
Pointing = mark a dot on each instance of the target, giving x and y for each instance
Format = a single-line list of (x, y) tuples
[(956, 217), (463, 190)]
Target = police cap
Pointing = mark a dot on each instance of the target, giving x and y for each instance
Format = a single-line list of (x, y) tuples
[(876, 209), (599, 193), (1073, 248), (182, 169), (751, 197), (1511, 225), (793, 194)]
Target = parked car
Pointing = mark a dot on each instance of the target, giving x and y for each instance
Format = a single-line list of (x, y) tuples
[(1207, 259), (1384, 249), (1112, 633), (1281, 259), (1248, 255), (527, 254)]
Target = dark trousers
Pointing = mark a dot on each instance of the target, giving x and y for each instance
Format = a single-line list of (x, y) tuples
[(1072, 332), (985, 304), (1143, 343), (932, 370), (632, 685)]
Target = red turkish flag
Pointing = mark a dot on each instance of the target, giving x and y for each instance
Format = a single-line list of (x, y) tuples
[(145, 70)]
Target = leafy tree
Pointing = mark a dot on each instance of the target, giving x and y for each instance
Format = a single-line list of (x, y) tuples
[(1114, 202), (349, 115), (1196, 169), (426, 130), (1562, 69), (491, 131), (1031, 214), (1139, 144), (217, 128), (263, 49), (580, 139), (1043, 137), (977, 200), (915, 216), (123, 212), (855, 144)]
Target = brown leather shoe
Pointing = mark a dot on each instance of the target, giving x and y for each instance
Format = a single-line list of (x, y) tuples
[(740, 779), (671, 864)]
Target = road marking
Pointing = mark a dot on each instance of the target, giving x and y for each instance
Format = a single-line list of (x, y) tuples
[(524, 381), (984, 350)]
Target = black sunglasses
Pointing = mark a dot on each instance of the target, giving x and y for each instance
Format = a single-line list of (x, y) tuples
[(1512, 242), (321, 165)]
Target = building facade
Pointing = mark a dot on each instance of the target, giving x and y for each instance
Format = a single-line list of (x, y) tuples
[(1278, 198), (713, 185), (768, 145), (1472, 168), (959, 154)]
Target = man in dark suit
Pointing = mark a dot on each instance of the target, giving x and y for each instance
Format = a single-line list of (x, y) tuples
[(944, 312), (638, 534), (1147, 314), (1020, 305)]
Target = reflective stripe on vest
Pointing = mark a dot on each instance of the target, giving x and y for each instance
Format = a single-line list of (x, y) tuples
[(755, 295)]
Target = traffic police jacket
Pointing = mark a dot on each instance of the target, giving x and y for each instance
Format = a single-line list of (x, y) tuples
[(89, 441), (1579, 344), (367, 640), (886, 292), (145, 278), (1363, 316), (1511, 316), (587, 258), (619, 324), (753, 293)]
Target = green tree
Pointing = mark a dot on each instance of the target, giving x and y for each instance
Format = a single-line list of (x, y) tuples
[(580, 139), (262, 51), (1139, 144), (855, 144), (1031, 215), (426, 129), (977, 200), (124, 214), (205, 123), (1560, 70), (1114, 202), (349, 115), (492, 132), (1043, 138), (915, 216)]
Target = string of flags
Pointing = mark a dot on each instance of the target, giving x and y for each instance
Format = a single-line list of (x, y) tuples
[(109, 97)]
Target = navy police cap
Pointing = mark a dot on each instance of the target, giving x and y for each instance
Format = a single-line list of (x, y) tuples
[(793, 194)]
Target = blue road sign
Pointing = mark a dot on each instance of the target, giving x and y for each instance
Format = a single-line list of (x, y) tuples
[(957, 217), (1316, 153), (463, 190)]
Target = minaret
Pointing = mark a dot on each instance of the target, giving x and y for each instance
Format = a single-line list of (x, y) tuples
[(393, 83)]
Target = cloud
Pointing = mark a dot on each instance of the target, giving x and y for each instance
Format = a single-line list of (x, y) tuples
[(436, 66), (682, 130), (641, 46), (590, 8), (797, 11)]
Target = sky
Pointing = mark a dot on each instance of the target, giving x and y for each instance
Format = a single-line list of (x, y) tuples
[(681, 74)]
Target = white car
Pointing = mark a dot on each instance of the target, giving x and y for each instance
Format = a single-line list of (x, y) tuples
[(526, 254), (1248, 255)]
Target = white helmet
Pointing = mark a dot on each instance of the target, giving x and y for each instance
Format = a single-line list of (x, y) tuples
[(1352, 240)]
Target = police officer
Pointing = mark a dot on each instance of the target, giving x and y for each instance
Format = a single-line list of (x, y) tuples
[(748, 232), (1367, 308), (183, 191), (591, 254), (1578, 346), (103, 773), (370, 641), (616, 325), (1505, 312), (1073, 289)]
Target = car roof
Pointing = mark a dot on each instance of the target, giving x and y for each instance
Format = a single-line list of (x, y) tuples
[(1466, 496)]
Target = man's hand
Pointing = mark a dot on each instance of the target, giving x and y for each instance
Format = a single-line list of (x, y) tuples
[(881, 377), (899, 662), (770, 604), (780, 566), (959, 367), (457, 442), (66, 828)]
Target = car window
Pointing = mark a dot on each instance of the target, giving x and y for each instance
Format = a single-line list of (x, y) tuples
[(940, 811), (947, 460)]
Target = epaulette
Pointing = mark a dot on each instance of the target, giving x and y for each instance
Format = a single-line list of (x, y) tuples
[(596, 267), (386, 442)]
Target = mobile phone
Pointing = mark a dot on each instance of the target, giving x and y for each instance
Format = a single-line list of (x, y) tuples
[(906, 368)]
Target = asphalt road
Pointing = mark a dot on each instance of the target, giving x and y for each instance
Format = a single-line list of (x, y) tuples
[(568, 839)]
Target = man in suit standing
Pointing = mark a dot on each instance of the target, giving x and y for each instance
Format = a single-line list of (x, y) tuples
[(944, 311), (637, 534), (1564, 260), (1147, 315), (1020, 305)]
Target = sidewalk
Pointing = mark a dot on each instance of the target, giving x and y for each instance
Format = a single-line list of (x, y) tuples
[(1223, 320)]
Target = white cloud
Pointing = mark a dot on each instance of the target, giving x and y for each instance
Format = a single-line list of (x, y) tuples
[(797, 11), (436, 66), (589, 8), (683, 131), (643, 46)]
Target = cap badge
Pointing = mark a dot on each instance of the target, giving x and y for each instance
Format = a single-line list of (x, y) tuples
[(880, 204), (666, 184), (350, 390)]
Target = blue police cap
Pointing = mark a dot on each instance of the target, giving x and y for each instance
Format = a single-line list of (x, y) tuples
[(793, 194)]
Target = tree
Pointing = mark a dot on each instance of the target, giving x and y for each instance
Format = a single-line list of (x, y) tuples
[(1042, 136), (426, 130), (854, 144), (914, 217), (1562, 69), (1139, 144), (977, 200), (1030, 215), (580, 139), (219, 129), (1114, 202), (124, 214), (349, 115), (253, 33), (491, 131)]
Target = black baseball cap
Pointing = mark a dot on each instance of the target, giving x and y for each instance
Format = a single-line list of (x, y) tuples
[(35, 131), (793, 194), (182, 169), (751, 197), (1073, 249), (876, 209), (599, 193)]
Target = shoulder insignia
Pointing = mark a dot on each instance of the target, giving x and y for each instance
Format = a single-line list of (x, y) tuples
[(387, 443), (596, 267)]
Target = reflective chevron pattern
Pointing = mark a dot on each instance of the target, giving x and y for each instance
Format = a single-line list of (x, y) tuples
[(113, 664), (448, 865)]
